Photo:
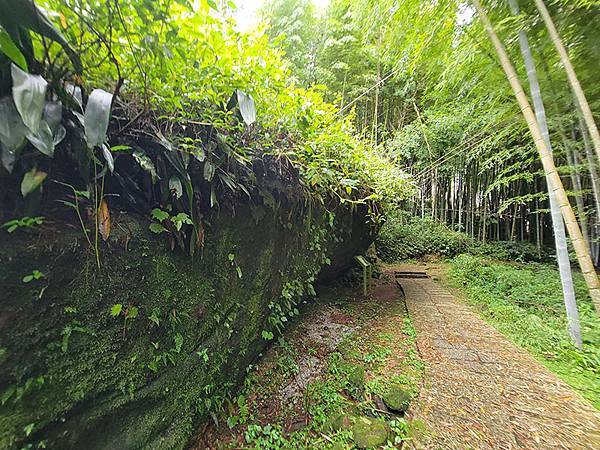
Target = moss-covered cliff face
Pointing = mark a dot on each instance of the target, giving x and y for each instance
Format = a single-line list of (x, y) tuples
[(73, 375)]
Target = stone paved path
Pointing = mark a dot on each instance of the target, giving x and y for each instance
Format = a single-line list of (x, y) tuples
[(483, 392)]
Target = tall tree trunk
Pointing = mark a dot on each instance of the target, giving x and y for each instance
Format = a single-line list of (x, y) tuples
[(554, 181), (577, 186), (595, 181), (573, 80), (560, 238)]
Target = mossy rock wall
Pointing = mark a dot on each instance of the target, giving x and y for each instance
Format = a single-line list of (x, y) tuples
[(74, 376)]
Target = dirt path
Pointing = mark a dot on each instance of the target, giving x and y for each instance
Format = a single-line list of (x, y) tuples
[(480, 390)]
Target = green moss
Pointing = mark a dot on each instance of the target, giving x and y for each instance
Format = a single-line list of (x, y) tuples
[(369, 433), (397, 398), (107, 382)]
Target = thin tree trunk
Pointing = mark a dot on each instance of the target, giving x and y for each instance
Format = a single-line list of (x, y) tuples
[(595, 181), (577, 187), (560, 238), (554, 181), (573, 80)]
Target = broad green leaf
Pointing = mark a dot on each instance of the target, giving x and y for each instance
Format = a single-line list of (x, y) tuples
[(175, 186), (60, 134), (12, 132), (53, 115), (159, 214), (209, 171), (108, 157), (146, 163), (156, 228), (96, 117), (9, 48), (32, 180), (42, 139), (29, 94), (247, 108), (75, 92), (180, 219), (116, 309)]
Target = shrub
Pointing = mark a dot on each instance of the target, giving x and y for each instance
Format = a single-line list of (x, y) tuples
[(404, 237), (512, 251)]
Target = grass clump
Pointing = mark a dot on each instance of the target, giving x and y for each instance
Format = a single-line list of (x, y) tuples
[(524, 302)]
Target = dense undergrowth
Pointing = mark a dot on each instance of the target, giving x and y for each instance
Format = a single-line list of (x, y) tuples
[(404, 237), (524, 301)]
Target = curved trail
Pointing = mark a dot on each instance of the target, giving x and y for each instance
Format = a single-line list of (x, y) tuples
[(480, 390)]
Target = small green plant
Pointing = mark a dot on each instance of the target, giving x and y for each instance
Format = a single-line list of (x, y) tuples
[(68, 330), (203, 355), (23, 222), (377, 355), (154, 317), (267, 437), (176, 222), (267, 335), (35, 275), (130, 312), (242, 416), (232, 261)]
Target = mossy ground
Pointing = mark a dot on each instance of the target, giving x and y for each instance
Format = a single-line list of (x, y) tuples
[(331, 366)]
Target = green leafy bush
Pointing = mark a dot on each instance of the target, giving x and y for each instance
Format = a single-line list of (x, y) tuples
[(404, 237), (524, 301), (520, 251), (178, 87)]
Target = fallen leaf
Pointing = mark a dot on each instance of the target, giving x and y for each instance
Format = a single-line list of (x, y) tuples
[(104, 220)]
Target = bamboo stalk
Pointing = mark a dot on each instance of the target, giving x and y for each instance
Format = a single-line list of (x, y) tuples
[(560, 239), (571, 75)]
